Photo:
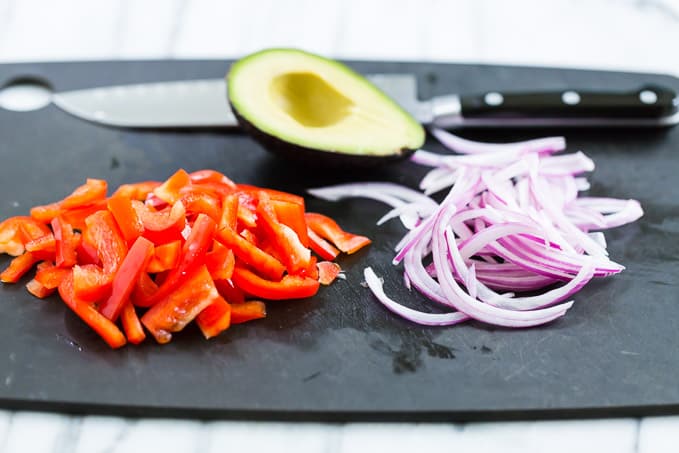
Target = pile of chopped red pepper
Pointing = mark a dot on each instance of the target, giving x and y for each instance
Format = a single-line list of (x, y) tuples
[(157, 256)]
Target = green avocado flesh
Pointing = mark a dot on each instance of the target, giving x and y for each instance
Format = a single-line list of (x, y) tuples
[(320, 104)]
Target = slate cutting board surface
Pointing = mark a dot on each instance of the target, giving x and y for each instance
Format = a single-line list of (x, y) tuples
[(340, 355)]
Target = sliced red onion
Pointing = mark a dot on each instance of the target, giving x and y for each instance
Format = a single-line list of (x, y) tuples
[(512, 221), (419, 317), (464, 146)]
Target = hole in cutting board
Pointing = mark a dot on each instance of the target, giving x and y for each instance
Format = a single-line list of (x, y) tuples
[(25, 94)]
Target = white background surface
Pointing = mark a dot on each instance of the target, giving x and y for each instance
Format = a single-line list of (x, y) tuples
[(641, 35)]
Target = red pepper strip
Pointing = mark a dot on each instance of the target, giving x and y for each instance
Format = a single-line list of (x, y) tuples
[(273, 194), (30, 229), (131, 324), (328, 272), (193, 255), (106, 237), (86, 251), (220, 262), (18, 267), (126, 216), (161, 227), (137, 191), (16, 231), (91, 283), (264, 263), (93, 190), (285, 241), (229, 217), (105, 328), (144, 289), (50, 276), (168, 191), (76, 217), (230, 292), (65, 242), (312, 270), (165, 257), (290, 286), (196, 202), (215, 318), (321, 247), (176, 309), (247, 311), (292, 215), (247, 205), (45, 244), (45, 213), (205, 176), (38, 289), (327, 228), (126, 277)]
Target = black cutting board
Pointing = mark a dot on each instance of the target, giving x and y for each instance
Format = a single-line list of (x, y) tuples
[(340, 355)]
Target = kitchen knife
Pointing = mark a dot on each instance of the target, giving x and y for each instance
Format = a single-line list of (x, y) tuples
[(202, 103)]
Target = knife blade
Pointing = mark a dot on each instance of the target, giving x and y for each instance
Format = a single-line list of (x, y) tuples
[(203, 104)]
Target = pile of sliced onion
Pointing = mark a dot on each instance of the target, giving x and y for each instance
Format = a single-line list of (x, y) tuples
[(512, 222)]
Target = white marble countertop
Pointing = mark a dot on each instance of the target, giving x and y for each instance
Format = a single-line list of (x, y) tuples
[(638, 35)]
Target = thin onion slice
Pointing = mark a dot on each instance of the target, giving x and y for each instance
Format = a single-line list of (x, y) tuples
[(512, 221)]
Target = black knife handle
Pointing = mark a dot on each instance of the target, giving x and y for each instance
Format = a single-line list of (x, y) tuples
[(650, 101)]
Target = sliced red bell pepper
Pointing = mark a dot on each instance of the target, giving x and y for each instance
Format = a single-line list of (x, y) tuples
[(165, 257), (105, 328), (49, 275), (133, 265), (328, 272), (87, 251), (230, 292), (215, 318), (91, 283), (131, 324), (220, 262), (211, 176), (161, 227), (247, 311), (18, 267), (38, 289), (174, 311), (289, 287), (93, 190), (144, 289), (321, 247), (293, 253), (126, 216), (169, 191), (76, 217), (197, 202), (16, 231), (111, 247), (136, 191), (329, 229), (273, 194), (247, 207), (258, 259), (292, 215), (312, 270), (193, 255), (45, 245), (45, 213), (229, 216), (65, 242)]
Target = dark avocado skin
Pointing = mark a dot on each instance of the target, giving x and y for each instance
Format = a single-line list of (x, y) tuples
[(315, 157)]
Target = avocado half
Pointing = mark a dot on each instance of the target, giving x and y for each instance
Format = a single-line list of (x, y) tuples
[(319, 111)]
